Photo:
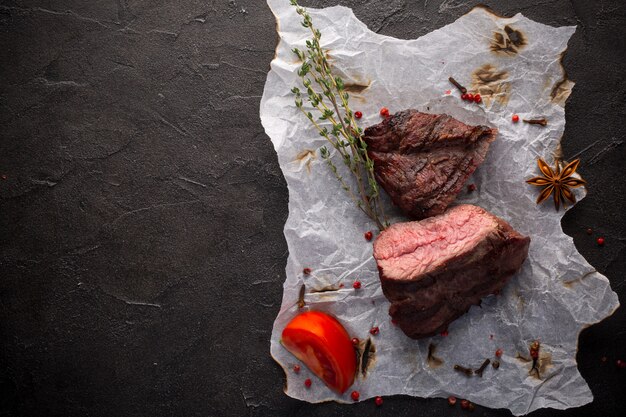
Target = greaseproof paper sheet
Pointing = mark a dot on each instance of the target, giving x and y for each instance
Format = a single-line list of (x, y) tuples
[(515, 63)]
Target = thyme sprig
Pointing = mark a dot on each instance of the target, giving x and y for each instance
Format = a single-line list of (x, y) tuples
[(326, 96)]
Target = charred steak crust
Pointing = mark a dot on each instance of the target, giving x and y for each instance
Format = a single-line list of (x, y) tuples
[(422, 160), (459, 258)]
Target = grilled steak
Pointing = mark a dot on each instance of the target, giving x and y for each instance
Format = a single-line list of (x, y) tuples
[(433, 270), (422, 160)]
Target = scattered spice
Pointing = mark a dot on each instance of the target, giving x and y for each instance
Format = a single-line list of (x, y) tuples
[(534, 354), (470, 97), (451, 400), (490, 337), (355, 395), (444, 333), (600, 241), (466, 371), (394, 322), (515, 118), (355, 341), (471, 407), (499, 353), (4, 176), (477, 98), (448, 92), (374, 330), (589, 231), (620, 364), (603, 359), (296, 368), (368, 235), (465, 404), (557, 182), (301, 296), (356, 285), (378, 401), (358, 114), (471, 188), (341, 285), (542, 122), (463, 96), (462, 89), (384, 112), (307, 382), (480, 370), (306, 271), (495, 364)]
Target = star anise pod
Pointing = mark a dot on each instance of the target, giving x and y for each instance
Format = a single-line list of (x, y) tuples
[(557, 182)]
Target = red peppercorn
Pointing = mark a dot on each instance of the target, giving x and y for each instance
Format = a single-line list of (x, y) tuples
[(306, 271), (499, 353), (603, 359), (356, 285), (589, 231), (471, 187), (451, 400), (358, 114), (355, 341), (463, 96), (394, 322), (470, 97), (477, 98), (374, 330), (355, 395), (368, 235), (384, 112), (600, 241), (620, 364), (307, 382), (465, 404), (341, 285), (4, 176), (296, 368), (444, 333), (515, 118), (378, 401)]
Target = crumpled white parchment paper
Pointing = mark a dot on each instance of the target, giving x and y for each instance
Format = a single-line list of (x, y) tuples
[(554, 296)]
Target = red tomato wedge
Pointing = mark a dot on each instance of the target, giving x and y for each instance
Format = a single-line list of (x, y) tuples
[(321, 342)]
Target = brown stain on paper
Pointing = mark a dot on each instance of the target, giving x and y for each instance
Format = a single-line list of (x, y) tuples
[(570, 284), (306, 157), (543, 364), (433, 361), (365, 357), (491, 84), (507, 41), (357, 87), (561, 91)]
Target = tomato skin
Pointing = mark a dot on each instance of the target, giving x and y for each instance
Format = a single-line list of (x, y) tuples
[(321, 342)]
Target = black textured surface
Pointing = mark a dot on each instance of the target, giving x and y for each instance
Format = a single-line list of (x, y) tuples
[(141, 204)]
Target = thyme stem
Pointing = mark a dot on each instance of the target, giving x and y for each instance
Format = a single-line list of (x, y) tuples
[(345, 132)]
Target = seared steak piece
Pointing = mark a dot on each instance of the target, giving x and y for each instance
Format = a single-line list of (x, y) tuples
[(422, 160), (433, 270)]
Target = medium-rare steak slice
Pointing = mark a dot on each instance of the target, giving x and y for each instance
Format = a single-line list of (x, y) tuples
[(433, 270), (422, 160)]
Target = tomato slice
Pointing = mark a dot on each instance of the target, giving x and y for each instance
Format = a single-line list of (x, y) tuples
[(324, 346)]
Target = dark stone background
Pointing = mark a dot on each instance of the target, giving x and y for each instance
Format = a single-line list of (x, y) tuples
[(141, 204)]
